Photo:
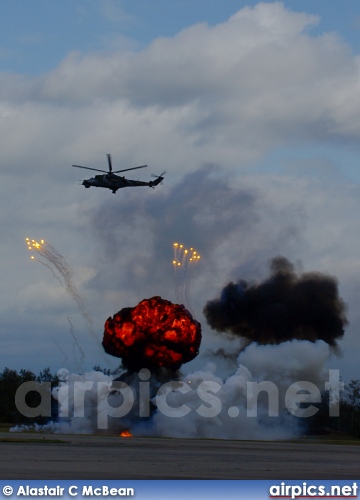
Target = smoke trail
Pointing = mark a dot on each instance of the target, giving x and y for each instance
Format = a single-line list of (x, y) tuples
[(65, 358), (285, 306), (76, 345), (49, 253), (50, 269)]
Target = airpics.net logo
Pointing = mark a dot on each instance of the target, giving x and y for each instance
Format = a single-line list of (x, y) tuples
[(305, 490), (171, 398)]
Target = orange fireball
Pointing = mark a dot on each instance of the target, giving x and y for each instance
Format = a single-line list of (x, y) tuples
[(155, 333)]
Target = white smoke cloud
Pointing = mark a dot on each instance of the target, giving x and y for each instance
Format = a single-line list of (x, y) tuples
[(200, 404)]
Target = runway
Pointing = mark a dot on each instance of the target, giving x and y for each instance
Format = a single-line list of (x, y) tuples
[(54, 456)]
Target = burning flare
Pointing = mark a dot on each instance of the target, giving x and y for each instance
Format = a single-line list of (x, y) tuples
[(185, 259), (155, 333)]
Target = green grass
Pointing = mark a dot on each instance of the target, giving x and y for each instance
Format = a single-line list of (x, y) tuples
[(15, 438), (29, 440), (5, 427), (334, 438)]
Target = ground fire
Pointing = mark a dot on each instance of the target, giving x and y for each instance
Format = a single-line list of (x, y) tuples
[(155, 333), (125, 433)]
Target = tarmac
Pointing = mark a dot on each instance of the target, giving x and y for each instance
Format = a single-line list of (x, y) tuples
[(81, 457)]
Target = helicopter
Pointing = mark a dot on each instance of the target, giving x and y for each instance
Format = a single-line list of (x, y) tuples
[(114, 182)]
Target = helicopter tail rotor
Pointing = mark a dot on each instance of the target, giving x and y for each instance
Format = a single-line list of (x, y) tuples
[(158, 180)]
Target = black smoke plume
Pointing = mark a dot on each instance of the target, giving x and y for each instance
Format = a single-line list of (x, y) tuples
[(285, 306)]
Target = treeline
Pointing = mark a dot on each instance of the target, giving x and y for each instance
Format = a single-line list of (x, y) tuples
[(348, 421), (11, 380), (321, 423)]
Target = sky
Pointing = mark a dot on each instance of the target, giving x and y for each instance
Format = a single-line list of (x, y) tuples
[(253, 110)]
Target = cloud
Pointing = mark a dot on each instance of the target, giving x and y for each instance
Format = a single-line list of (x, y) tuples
[(227, 93), (208, 105), (223, 222), (113, 12)]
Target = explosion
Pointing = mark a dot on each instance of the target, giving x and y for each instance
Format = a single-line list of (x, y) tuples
[(155, 333), (156, 337)]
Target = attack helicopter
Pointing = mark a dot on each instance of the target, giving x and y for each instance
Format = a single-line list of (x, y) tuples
[(114, 182)]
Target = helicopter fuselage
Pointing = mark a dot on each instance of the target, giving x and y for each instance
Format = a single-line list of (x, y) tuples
[(115, 182)]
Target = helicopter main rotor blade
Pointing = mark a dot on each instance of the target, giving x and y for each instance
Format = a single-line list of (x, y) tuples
[(126, 169), (109, 162), (88, 168)]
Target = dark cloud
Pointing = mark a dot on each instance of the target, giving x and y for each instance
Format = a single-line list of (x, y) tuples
[(285, 306), (138, 229)]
